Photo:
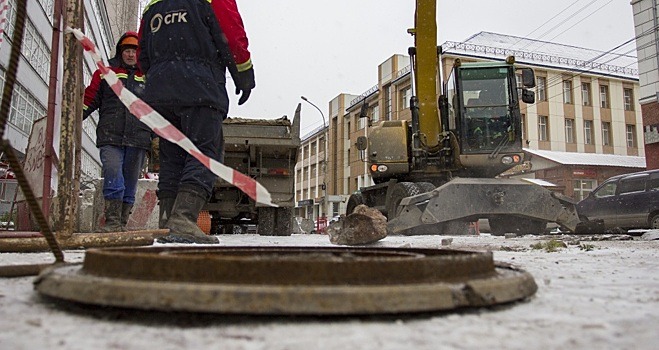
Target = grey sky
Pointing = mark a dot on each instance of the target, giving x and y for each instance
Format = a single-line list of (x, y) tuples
[(322, 48)]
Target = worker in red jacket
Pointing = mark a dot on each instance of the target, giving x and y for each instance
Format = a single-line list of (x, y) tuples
[(185, 55), (121, 138)]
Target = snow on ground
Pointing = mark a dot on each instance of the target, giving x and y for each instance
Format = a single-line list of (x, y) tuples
[(592, 295)]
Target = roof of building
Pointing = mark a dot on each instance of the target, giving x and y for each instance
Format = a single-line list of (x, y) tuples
[(537, 52), (573, 158)]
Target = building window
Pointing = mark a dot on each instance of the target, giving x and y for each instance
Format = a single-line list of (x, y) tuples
[(47, 6), (583, 187), (387, 103), (360, 122), (541, 88), (631, 136), (569, 130), (36, 50), (606, 134), (604, 96), (567, 91), (585, 94), (406, 94), (375, 114), (588, 132), (629, 99), (25, 108), (543, 127)]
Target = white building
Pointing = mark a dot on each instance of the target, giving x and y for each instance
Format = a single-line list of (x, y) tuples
[(33, 82)]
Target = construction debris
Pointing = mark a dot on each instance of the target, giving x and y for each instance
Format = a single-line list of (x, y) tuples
[(364, 226), (37, 243)]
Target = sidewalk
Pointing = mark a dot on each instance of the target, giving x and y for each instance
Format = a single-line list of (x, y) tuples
[(592, 295)]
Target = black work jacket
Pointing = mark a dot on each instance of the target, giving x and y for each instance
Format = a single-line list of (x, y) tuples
[(184, 55)]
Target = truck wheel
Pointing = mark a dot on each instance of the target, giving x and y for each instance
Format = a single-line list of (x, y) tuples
[(275, 221), (266, 222), (499, 226), (354, 200), (425, 187), (530, 226), (460, 228), (400, 191), (283, 221)]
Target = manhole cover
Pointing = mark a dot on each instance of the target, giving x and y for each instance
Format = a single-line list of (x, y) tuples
[(287, 280)]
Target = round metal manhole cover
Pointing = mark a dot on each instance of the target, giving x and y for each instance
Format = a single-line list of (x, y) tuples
[(287, 280)]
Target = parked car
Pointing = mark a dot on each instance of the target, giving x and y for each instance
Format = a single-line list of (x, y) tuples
[(623, 202)]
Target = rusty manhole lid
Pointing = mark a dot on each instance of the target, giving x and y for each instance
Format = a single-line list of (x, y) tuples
[(287, 280)]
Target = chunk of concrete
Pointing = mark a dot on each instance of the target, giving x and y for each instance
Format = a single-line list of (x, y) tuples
[(365, 225)]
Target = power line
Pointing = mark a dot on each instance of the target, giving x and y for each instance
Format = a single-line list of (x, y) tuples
[(561, 23), (542, 25), (559, 79)]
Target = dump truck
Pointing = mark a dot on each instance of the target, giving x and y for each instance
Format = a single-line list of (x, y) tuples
[(441, 173), (266, 150)]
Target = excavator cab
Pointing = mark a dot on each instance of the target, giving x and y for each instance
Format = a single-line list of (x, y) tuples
[(483, 114)]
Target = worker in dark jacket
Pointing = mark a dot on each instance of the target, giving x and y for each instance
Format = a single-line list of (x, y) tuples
[(121, 138), (185, 55)]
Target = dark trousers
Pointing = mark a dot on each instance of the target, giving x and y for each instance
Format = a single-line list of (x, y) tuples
[(121, 170), (203, 126)]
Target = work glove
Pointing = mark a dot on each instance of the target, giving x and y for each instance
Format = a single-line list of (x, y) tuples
[(244, 84)]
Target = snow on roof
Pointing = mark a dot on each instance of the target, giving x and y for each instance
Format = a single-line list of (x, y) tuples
[(572, 158), (530, 51), (540, 182)]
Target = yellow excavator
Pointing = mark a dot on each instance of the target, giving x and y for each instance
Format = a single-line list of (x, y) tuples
[(436, 172)]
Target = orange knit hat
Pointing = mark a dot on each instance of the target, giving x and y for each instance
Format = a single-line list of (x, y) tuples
[(128, 41)]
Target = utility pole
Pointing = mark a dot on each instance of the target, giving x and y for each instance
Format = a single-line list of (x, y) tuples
[(68, 184)]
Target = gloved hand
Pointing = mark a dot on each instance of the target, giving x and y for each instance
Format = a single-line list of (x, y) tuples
[(245, 83)]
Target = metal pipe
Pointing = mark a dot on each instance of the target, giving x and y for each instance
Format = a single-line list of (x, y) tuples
[(50, 114)]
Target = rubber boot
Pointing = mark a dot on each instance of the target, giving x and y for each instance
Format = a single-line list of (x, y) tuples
[(182, 224), (125, 214), (166, 203), (112, 216)]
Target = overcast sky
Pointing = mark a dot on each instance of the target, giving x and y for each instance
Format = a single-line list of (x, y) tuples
[(321, 48)]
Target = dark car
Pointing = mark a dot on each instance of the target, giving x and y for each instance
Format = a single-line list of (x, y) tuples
[(623, 202)]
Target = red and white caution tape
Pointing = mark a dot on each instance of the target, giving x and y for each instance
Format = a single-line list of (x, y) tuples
[(4, 6), (164, 129)]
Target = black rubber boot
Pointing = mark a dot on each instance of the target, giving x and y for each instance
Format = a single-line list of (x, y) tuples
[(125, 214), (112, 216), (166, 203), (182, 224)]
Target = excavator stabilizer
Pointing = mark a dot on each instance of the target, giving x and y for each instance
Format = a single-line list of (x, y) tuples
[(511, 205)]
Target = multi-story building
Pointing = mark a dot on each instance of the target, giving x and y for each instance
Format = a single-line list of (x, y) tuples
[(646, 22), (33, 85), (586, 103), (316, 174)]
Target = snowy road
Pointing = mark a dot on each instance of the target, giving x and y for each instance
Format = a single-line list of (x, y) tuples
[(592, 295)]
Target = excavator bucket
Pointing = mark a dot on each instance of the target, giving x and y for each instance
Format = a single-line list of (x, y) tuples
[(511, 205)]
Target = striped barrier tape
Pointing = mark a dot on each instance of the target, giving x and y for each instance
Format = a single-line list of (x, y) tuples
[(164, 129)]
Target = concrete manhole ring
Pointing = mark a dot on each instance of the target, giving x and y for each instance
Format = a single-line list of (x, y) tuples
[(287, 280)]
